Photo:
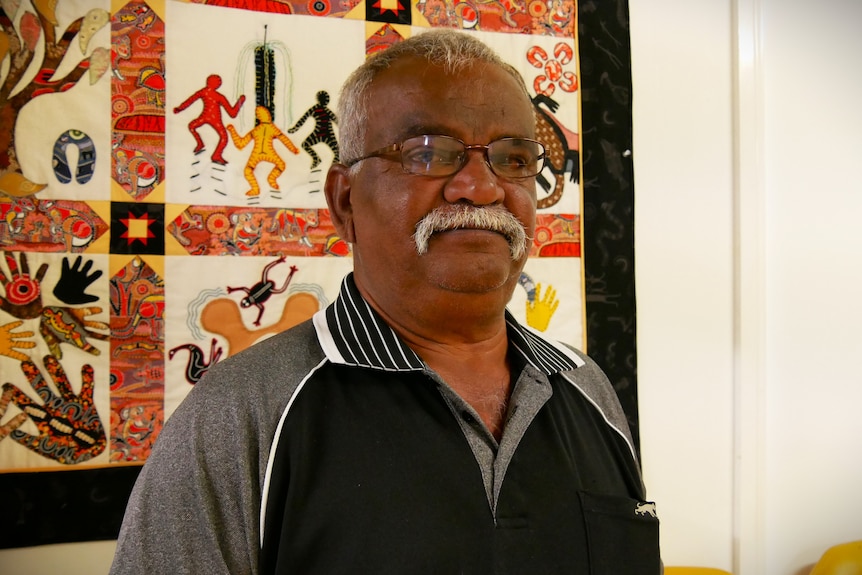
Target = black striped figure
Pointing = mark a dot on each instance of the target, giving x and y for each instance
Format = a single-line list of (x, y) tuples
[(264, 88)]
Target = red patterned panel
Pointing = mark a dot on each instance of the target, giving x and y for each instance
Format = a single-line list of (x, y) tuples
[(28, 224), (138, 99), (228, 230), (137, 361), (557, 235)]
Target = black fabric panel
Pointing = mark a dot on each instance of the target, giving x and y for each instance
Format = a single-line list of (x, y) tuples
[(608, 210), (64, 506)]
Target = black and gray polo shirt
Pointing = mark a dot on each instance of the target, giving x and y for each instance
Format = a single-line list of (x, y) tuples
[(332, 448)]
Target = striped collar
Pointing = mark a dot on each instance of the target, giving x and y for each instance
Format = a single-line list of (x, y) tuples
[(352, 333)]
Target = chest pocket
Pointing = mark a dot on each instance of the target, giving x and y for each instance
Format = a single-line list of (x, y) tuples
[(622, 535)]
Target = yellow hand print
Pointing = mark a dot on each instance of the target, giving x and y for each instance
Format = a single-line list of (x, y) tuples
[(8, 341), (541, 309)]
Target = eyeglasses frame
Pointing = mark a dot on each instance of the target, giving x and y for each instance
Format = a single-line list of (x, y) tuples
[(387, 151)]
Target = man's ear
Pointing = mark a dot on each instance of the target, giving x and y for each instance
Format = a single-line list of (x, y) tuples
[(337, 189)]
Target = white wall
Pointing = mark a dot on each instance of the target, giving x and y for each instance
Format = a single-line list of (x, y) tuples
[(751, 402), (749, 245), (813, 153), (681, 68)]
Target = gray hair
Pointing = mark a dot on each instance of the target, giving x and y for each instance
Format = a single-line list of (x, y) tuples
[(453, 50)]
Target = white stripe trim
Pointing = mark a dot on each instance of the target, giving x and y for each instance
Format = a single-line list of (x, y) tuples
[(359, 317), (622, 433), (324, 337), (274, 446), (537, 343)]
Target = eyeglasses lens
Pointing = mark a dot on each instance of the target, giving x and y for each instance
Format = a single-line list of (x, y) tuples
[(443, 156), (432, 155), (515, 157)]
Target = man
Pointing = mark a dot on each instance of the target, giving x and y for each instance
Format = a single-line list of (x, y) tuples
[(413, 426)]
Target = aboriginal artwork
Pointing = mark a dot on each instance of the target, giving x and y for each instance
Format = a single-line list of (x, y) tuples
[(161, 209)]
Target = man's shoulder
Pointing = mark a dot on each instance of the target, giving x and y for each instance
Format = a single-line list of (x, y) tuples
[(591, 381), (252, 387), (279, 362)]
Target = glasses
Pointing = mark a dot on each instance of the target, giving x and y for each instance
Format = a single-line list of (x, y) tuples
[(437, 156)]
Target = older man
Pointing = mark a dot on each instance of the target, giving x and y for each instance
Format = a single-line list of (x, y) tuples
[(412, 426)]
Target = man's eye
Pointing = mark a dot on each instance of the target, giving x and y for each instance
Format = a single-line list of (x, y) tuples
[(430, 156), (514, 160)]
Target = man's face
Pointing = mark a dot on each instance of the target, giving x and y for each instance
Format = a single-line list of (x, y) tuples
[(478, 105)]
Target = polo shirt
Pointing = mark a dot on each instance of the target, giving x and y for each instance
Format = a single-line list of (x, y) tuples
[(333, 448)]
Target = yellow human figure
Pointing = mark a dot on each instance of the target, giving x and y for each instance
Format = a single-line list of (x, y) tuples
[(263, 135)]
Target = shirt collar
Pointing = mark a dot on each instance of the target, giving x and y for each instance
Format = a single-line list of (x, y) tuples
[(352, 333)]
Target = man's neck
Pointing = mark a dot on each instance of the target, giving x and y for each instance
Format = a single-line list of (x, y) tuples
[(464, 339)]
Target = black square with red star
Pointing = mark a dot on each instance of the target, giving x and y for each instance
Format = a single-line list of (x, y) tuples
[(390, 11), (137, 228)]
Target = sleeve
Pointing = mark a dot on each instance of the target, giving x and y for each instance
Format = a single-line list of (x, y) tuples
[(195, 505)]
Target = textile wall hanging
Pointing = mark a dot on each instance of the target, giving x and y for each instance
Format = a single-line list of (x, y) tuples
[(161, 172)]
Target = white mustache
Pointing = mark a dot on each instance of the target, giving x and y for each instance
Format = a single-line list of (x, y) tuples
[(461, 216)]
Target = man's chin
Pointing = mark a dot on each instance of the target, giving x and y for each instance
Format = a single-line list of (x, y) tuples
[(477, 274)]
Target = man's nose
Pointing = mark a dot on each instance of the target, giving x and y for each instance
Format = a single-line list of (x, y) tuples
[(475, 182)]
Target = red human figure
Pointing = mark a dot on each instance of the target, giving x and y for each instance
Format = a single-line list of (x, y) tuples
[(213, 102)]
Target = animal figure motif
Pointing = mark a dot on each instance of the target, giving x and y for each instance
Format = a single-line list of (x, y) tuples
[(13, 214), (263, 290), (289, 222), (245, 233), (133, 167), (120, 50), (222, 316), (197, 364), (69, 325), (129, 283), (70, 227), (141, 17), (646, 509), (562, 150), (151, 310), (134, 433), (559, 18), (468, 13), (185, 223)]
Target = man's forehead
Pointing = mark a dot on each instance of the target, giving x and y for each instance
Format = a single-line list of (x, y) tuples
[(410, 77), (414, 96)]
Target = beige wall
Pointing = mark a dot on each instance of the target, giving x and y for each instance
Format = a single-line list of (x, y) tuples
[(747, 149), (683, 152)]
